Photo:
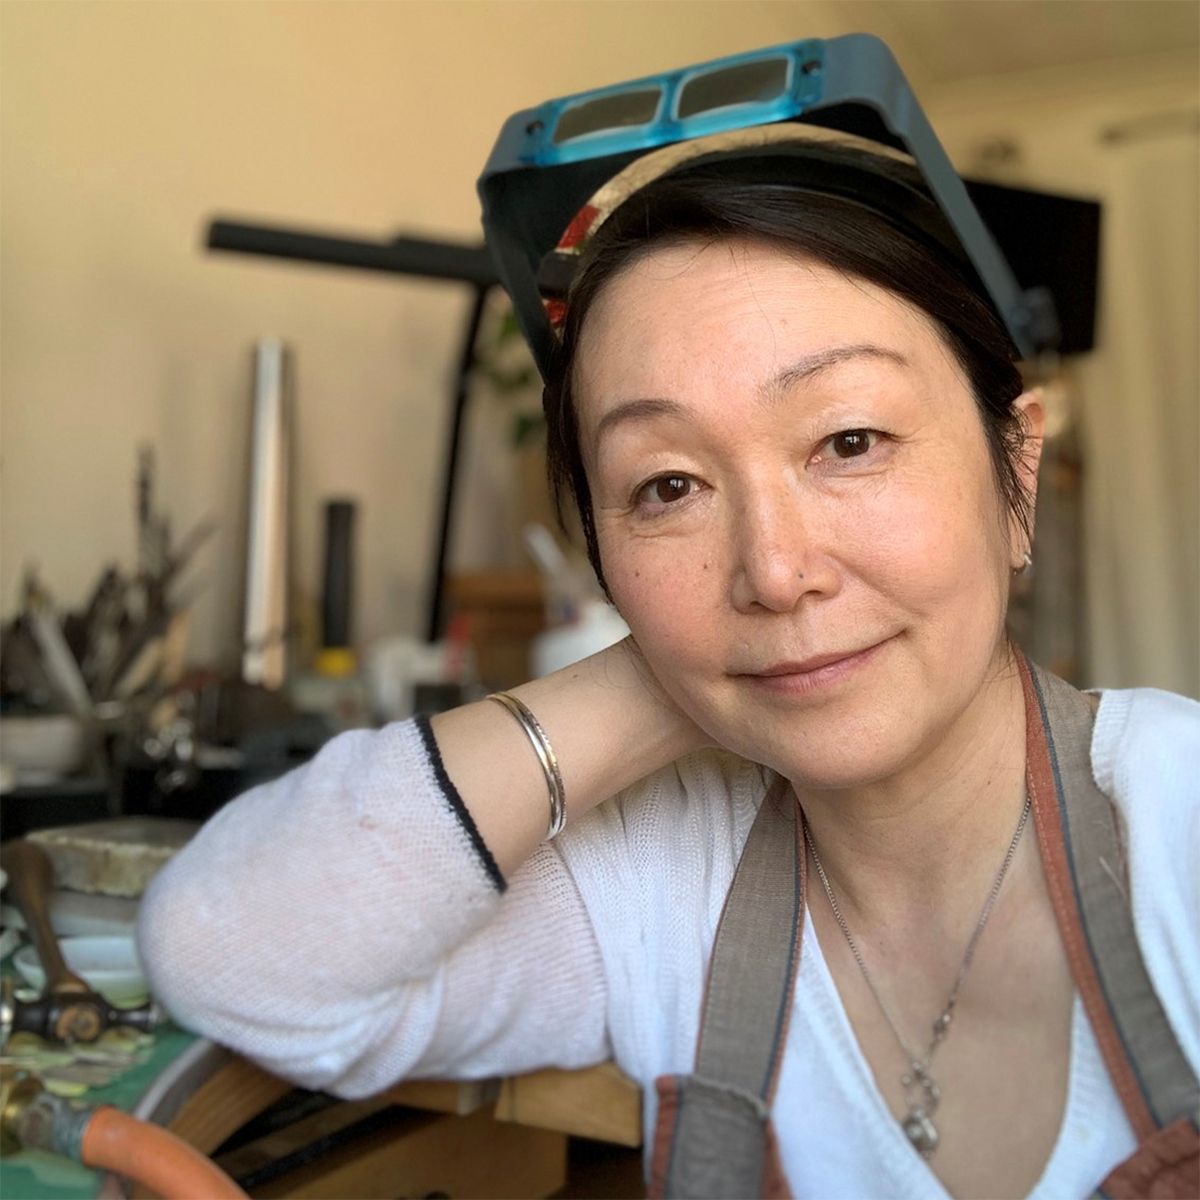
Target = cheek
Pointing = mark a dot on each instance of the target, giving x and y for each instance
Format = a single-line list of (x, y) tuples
[(942, 545), (669, 595)]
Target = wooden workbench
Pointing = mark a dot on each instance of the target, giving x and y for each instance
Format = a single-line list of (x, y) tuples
[(491, 1138)]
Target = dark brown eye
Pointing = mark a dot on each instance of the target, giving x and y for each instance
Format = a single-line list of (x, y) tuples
[(850, 443), (669, 488)]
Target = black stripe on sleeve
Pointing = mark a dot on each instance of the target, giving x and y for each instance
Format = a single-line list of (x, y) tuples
[(456, 803)]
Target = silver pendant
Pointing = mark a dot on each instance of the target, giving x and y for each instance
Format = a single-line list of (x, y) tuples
[(921, 1131), (918, 1126)]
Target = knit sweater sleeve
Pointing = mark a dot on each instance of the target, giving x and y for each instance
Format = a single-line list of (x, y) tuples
[(346, 927)]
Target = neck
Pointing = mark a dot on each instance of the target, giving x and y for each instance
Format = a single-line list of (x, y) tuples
[(927, 839)]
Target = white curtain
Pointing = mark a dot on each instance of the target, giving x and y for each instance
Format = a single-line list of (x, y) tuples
[(1141, 420)]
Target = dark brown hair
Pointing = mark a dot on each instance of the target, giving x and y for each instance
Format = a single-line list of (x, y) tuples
[(715, 201)]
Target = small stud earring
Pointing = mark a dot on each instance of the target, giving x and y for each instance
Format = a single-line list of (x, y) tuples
[(1026, 564)]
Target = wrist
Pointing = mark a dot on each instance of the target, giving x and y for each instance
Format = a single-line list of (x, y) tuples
[(610, 723)]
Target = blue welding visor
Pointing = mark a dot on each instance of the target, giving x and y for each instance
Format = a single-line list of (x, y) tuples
[(550, 163)]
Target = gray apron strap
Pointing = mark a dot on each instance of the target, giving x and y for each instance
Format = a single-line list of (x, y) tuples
[(714, 1137), (1084, 860)]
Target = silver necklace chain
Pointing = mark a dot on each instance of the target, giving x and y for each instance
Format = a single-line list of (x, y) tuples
[(922, 1094)]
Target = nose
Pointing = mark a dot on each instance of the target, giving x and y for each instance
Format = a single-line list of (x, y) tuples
[(780, 555)]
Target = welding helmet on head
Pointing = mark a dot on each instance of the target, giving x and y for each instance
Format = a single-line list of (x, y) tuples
[(787, 112)]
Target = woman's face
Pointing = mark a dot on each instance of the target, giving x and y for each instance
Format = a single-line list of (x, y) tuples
[(795, 506)]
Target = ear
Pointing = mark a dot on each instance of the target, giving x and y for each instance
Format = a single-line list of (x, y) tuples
[(1031, 412)]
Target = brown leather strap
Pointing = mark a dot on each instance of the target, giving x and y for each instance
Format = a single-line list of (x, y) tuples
[(1083, 857), (1164, 1167)]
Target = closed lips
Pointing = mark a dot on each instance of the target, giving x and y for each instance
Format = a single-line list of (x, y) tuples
[(808, 665)]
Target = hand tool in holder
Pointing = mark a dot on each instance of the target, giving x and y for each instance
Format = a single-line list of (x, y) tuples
[(68, 1009)]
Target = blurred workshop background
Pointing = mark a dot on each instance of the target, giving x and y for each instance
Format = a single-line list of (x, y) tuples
[(127, 127)]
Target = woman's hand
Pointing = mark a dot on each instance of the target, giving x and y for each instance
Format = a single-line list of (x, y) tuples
[(609, 722)]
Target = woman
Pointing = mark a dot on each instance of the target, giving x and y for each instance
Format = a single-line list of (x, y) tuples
[(806, 468)]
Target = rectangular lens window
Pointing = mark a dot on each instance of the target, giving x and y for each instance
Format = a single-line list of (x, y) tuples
[(619, 111), (747, 83)]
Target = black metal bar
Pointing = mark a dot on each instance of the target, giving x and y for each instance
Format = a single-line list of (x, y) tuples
[(403, 256), (424, 257), (454, 444)]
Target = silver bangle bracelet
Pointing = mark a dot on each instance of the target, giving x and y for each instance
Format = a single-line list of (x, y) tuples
[(541, 747)]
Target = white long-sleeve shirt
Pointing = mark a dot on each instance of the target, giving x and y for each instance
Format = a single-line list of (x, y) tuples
[(345, 926)]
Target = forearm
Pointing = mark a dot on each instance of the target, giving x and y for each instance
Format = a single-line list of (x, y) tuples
[(308, 902), (315, 922), (609, 724)]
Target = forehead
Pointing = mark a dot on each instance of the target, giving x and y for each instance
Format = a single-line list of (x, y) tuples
[(684, 320)]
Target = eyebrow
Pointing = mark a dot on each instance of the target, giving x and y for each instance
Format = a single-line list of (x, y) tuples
[(800, 371), (822, 360)]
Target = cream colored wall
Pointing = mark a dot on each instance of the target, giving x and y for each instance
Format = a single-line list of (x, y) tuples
[(125, 126)]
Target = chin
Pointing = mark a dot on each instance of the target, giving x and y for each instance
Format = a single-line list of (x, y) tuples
[(852, 740), (832, 756)]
